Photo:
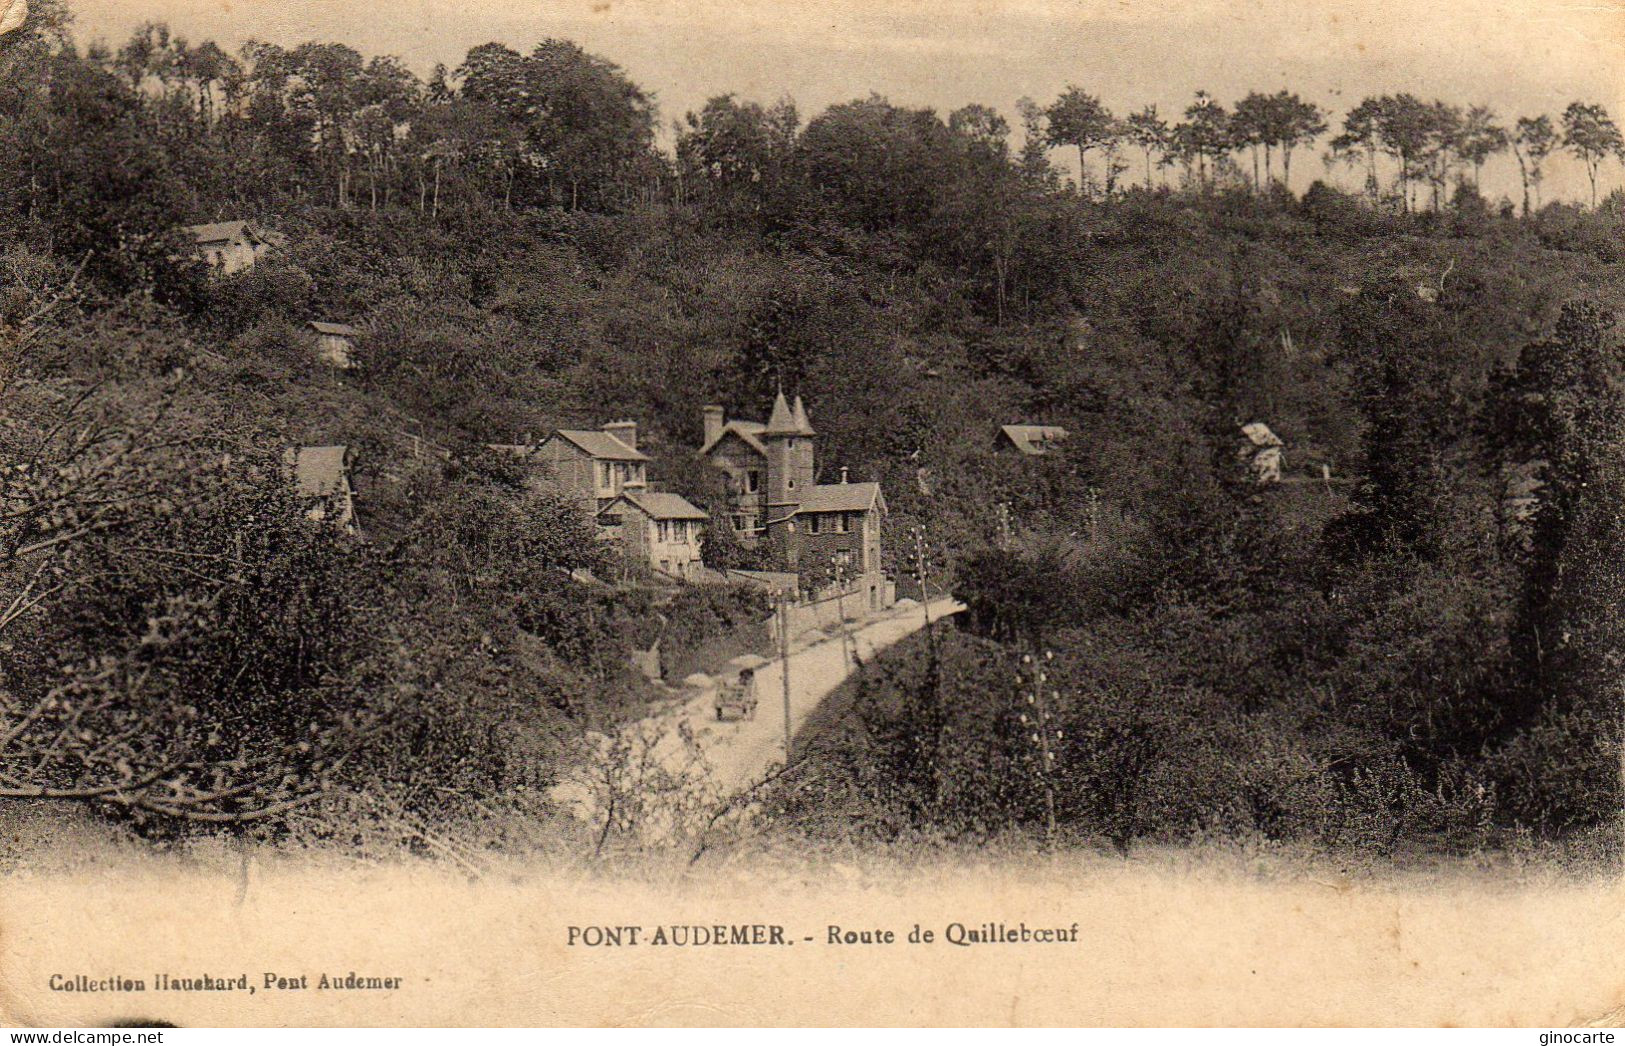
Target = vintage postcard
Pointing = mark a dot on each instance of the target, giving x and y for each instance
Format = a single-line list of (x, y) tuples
[(640, 513)]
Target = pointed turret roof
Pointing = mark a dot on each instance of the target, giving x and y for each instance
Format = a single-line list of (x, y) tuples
[(803, 426), (783, 422)]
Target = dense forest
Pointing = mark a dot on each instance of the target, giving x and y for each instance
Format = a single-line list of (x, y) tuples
[(1411, 642)]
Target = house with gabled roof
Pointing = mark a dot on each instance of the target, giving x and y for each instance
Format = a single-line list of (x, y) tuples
[(659, 530), (231, 247), (321, 475), (735, 447), (1033, 441), (597, 465), (838, 524)]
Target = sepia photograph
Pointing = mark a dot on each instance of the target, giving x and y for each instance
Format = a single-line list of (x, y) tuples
[(773, 513)]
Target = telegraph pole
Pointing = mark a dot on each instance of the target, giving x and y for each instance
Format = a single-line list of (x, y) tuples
[(840, 606), (784, 658), (922, 567)]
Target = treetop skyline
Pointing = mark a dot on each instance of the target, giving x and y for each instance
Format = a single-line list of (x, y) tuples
[(1518, 58)]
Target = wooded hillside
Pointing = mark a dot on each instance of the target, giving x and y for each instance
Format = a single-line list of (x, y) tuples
[(1405, 653)]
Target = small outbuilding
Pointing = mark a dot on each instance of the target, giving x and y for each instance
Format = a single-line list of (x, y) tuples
[(322, 477), (1033, 441), (1262, 452), (231, 247), (335, 343)]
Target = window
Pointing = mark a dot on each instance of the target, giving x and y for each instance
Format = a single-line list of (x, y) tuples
[(753, 481), (680, 532), (665, 531), (792, 484), (741, 523), (816, 523), (604, 474), (844, 522), (791, 443)]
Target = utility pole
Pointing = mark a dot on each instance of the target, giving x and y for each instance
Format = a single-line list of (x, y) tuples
[(922, 567), (784, 659), (840, 605)]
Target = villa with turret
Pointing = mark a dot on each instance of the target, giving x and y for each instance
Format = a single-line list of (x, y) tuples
[(774, 498)]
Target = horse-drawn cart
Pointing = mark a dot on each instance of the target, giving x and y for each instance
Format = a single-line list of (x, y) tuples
[(736, 689)]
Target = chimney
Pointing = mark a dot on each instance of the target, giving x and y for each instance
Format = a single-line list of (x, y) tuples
[(625, 431), (843, 475), (715, 418)]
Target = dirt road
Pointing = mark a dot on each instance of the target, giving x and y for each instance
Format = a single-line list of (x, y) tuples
[(739, 753), (683, 754)]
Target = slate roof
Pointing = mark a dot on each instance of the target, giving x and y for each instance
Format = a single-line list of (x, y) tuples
[(1034, 440), (225, 232), (788, 421), (663, 506), (340, 330), (318, 472), (749, 431), (600, 445), (782, 422), (801, 419), (842, 497), (218, 232), (1259, 435)]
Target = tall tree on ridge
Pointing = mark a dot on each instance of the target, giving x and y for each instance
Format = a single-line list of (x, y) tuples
[(1150, 132), (1590, 134), (1296, 123), (1252, 127), (1360, 138), (1481, 138), (1205, 135), (1533, 140), (1442, 147), (1078, 119)]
